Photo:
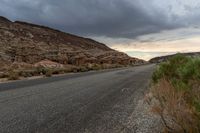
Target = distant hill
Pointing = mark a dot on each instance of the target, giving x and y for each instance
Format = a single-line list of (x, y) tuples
[(165, 58), (22, 42)]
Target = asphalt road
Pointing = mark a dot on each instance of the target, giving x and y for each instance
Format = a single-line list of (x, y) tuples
[(93, 102)]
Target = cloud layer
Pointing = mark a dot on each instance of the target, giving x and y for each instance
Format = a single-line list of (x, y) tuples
[(111, 18), (138, 27)]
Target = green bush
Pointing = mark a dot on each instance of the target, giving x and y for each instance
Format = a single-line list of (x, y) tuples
[(179, 70), (183, 73)]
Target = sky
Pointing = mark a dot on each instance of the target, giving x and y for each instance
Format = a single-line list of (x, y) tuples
[(141, 28)]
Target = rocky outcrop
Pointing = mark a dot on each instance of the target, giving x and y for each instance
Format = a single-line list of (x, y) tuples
[(34, 44), (48, 64)]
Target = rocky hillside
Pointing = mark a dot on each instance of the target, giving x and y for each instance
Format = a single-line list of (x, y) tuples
[(30, 44), (165, 58)]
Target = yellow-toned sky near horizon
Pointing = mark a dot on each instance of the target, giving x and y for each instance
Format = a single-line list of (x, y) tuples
[(149, 50), (158, 44)]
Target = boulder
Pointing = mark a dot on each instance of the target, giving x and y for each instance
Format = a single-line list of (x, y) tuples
[(48, 64)]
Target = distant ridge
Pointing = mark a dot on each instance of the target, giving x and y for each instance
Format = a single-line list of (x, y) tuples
[(165, 58)]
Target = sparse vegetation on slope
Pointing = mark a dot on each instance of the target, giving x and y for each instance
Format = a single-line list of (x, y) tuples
[(12, 75), (15, 72), (176, 88)]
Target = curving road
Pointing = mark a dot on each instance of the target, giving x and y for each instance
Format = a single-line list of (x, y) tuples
[(93, 102)]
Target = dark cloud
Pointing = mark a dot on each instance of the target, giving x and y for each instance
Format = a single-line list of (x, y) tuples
[(111, 18)]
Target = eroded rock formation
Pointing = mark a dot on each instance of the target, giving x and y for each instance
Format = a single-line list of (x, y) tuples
[(29, 43)]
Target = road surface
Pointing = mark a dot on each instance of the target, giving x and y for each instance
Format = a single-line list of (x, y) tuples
[(92, 102)]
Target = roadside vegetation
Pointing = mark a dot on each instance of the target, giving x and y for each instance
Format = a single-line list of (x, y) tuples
[(176, 94), (15, 72)]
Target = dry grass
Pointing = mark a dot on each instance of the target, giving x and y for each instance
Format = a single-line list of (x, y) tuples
[(177, 115), (176, 90), (22, 70)]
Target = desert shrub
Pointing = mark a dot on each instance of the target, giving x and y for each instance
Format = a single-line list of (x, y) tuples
[(96, 67), (41, 70), (176, 87), (80, 69), (68, 69), (27, 73), (58, 71), (48, 73), (171, 68), (12, 75), (75, 69), (83, 69)]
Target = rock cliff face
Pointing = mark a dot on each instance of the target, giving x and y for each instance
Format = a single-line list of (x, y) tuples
[(28, 43)]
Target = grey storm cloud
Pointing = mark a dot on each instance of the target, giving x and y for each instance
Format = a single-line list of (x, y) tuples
[(110, 18)]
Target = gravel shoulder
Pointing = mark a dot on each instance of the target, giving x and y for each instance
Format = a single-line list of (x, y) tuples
[(143, 120)]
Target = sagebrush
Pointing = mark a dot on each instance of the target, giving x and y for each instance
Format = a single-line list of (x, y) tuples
[(176, 87)]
